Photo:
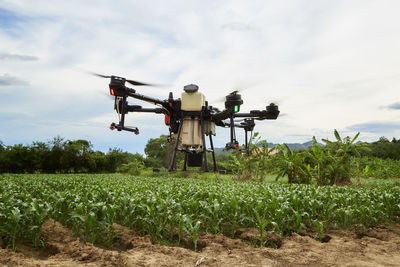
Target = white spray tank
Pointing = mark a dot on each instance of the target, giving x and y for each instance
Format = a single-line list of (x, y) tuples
[(191, 100)]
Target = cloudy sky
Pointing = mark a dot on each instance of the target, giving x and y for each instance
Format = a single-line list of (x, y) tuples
[(329, 65)]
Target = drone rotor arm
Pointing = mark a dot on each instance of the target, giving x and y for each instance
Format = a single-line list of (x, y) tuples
[(222, 115), (155, 101), (258, 115), (136, 108)]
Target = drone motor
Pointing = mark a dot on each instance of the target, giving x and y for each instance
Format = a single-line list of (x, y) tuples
[(233, 101)]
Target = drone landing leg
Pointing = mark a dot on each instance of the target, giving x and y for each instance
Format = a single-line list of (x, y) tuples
[(185, 161), (213, 154), (122, 121), (172, 163), (246, 142), (204, 144)]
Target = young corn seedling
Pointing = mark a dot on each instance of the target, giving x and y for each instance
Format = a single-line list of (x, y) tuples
[(261, 225), (192, 229), (320, 228)]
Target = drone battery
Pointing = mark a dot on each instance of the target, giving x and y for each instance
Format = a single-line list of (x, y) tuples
[(195, 159), (191, 132)]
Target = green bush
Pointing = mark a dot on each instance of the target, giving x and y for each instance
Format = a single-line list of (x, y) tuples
[(379, 168), (253, 165), (133, 168)]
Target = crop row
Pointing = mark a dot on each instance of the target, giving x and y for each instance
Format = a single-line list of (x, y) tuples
[(176, 210)]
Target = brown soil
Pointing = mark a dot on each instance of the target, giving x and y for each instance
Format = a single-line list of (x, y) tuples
[(359, 247)]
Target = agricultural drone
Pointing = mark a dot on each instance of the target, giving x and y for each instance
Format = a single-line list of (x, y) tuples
[(190, 117)]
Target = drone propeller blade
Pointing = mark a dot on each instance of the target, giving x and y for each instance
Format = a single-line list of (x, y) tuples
[(217, 100), (133, 82), (139, 83), (280, 115), (99, 75), (222, 99), (276, 102)]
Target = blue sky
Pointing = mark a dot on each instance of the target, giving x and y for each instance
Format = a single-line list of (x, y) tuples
[(329, 64)]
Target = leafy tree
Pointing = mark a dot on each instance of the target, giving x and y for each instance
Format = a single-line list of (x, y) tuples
[(58, 156), (254, 165), (76, 156), (41, 156), (115, 157), (2, 157), (383, 148), (133, 168), (56, 145), (98, 162), (293, 164), (339, 156), (320, 162), (332, 164), (18, 159), (159, 151), (156, 151), (2, 146)]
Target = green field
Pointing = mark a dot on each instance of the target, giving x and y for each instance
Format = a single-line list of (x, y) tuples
[(176, 210)]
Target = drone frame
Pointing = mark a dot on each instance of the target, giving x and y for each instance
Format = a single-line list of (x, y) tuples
[(174, 117)]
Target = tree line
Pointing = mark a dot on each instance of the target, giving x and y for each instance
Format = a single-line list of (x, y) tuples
[(77, 156), (335, 162), (61, 156), (383, 148)]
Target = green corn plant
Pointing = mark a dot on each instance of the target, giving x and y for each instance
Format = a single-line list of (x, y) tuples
[(192, 229), (262, 224), (14, 227), (181, 224), (164, 208), (320, 229), (38, 213)]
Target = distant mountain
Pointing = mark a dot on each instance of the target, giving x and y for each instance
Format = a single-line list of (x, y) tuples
[(293, 146), (297, 146)]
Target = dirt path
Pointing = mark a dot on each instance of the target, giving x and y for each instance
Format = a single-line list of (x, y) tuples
[(360, 247)]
